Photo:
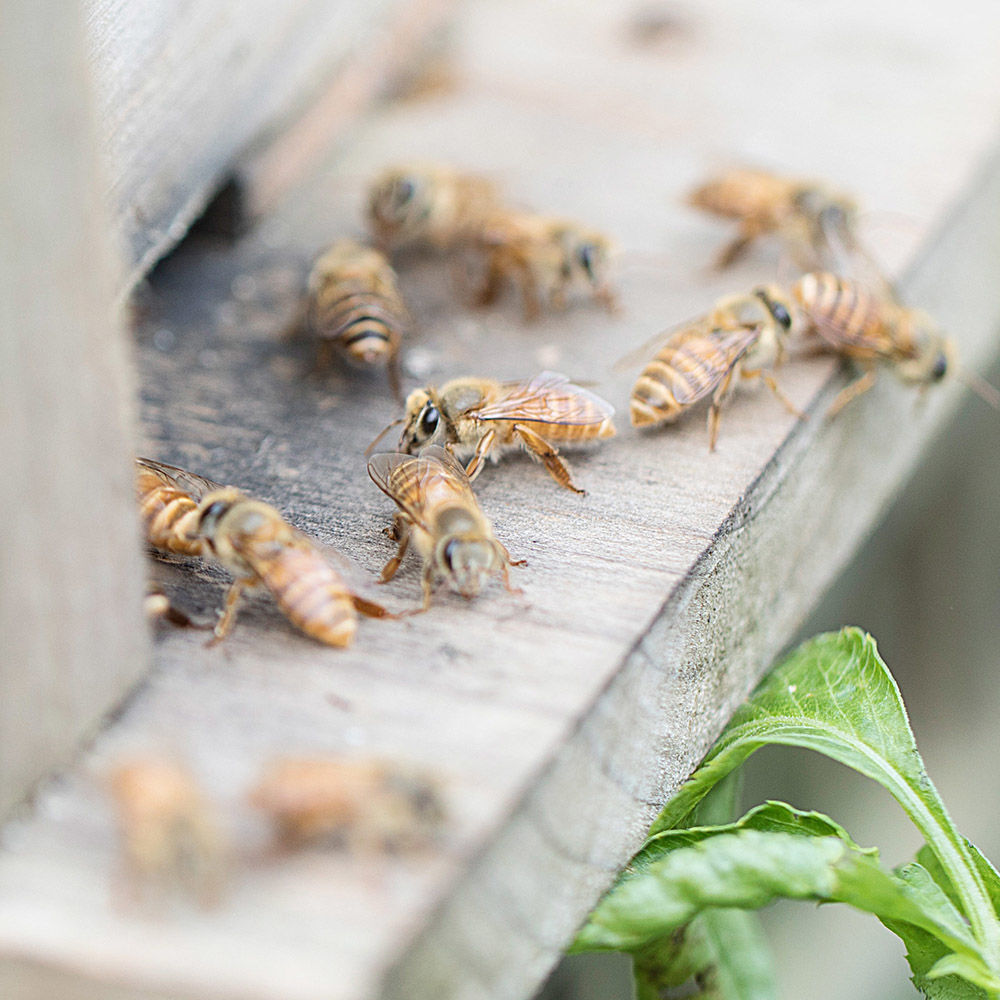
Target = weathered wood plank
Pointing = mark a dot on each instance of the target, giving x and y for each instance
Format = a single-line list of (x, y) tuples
[(70, 571), (558, 720), (184, 89)]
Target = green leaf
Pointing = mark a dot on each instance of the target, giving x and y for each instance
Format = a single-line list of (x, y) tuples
[(924, 952), (747, 869), (724, 949), (836, 696)]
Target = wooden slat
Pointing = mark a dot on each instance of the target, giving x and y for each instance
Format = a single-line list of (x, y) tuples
[(186, 88), (70, 572), (558, 720)]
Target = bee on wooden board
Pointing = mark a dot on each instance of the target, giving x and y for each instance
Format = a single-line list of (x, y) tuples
[(354, 306), (430, 206), (815, 222), (870, 327), (261, 549), (742, 338), (369, 804), (170, 836), (439, 512), (545, 257), (483, 418)]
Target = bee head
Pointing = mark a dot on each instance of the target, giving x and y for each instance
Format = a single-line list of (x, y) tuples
[(397, 205), (935, 358), (467, 563), (777, 305), (423, 420), (212, 509)]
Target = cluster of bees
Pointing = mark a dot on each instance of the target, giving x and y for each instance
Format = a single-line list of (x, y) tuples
[(354, 308)]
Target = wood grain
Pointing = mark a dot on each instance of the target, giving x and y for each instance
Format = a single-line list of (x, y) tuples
[(558, 720), (70, 572)]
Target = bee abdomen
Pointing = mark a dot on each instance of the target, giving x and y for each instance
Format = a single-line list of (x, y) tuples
[(168, 514), (311, 595), (365, 325), (841, 305), (678, 376)]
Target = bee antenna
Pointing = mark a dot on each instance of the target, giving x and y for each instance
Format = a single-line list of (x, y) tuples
[(382, 434), (988, 393)]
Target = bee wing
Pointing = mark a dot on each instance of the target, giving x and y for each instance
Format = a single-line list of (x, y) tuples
[(730, 344), (646, 350), (548, 398), (432, 464), (866, 338), (189, 482)]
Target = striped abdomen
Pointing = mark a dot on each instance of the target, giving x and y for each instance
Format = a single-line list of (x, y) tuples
[(366, 325), (168, 515), (309, 592), (688, 368), (851, 319)]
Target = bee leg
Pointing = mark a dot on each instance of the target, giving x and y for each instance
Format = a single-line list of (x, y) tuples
[(605, 296), (369, 608), (731, 253), (508, 561), (426, 585), (475, 465), (768, 379), (392, 566), (395, 382), (857, 388), (493, 282), (715, 410), (228, 616), (505, 576), (548, 455)]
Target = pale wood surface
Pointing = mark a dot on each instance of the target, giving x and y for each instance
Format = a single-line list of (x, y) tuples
[(70, 573), (558, 720), (186, 88)]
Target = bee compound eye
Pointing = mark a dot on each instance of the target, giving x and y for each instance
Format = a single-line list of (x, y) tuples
[(586, 254), (429, 420), (214, 511), (404, 191), (449, 553), (780, 313), (940, 368)]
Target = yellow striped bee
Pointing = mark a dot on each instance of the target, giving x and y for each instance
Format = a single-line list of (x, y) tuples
[(439, 512), (168, 510), (815, 222), (170, 834), (868, 327), (429, 205), (483, 418), (545, 257), (261, 549), (369, 803), (742, 338), (354, 306)]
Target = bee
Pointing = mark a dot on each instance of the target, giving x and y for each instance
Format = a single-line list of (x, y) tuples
[(367, 803), (742, 338), (170, 835), (433, 206), (545, 257), (354, 305), (261, 549), (168, 510), (815, 222), (483, 418), (868, 327), (440, 513)]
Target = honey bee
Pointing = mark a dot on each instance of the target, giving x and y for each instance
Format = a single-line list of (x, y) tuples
[(742, 338), (545, 257), (367, 803), (432, 205), (484, 418), (170, 835), (815, 222), (261, 549), (354, 305), (868, 327), (439, 511), (169, 511)]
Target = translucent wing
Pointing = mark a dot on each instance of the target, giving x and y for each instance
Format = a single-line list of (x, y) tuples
[(548, 398), (698, 361), (196, 486), (412, 480), (855, 325), (649, 348)]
